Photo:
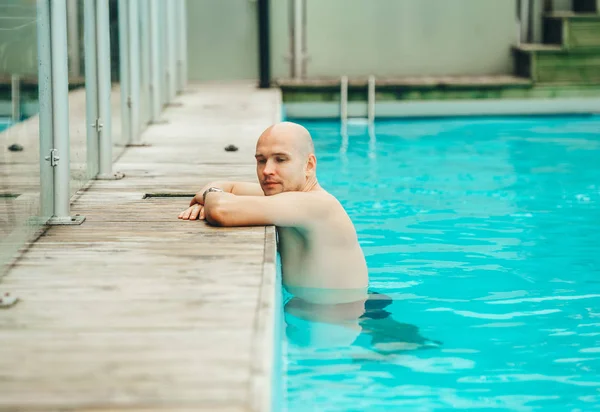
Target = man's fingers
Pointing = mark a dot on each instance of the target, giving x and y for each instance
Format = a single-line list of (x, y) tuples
[(186, 213), (195, 200), (195, 212)]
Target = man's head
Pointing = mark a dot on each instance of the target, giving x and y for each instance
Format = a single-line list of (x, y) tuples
[(285, 159)]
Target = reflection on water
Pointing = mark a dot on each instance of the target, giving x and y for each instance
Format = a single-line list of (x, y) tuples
[(366, 323)]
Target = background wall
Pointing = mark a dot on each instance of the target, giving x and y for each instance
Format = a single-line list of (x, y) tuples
[(222, 39), (410, 37), (357, 37), (353, 37), (18, 41)]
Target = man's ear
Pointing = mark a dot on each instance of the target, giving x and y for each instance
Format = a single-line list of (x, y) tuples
[(311, 165)]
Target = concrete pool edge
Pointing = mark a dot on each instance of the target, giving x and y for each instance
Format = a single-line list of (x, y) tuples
[(444, 108), (264, 346)]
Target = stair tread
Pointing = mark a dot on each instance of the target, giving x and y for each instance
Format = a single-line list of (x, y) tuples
[(529, 47), (572, 15), (552, 47)]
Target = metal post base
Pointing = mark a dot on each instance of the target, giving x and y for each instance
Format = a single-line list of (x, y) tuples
[(64, 221), (113, 176)]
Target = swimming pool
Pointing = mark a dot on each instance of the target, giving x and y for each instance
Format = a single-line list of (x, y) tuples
[(485, 233), (4, 123)]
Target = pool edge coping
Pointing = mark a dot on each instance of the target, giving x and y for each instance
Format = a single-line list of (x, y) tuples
[(264, 346), (264, 350), (446, 108)]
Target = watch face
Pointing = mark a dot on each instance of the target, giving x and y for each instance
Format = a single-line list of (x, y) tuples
[(211, 189)]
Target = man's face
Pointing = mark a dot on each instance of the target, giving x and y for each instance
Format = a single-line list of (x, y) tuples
[(279, 167)]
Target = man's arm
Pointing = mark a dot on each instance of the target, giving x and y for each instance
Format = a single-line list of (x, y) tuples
[(195, 209), (246, 189), (297, 209), (237, 188)]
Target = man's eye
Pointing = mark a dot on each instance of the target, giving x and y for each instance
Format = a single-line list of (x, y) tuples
[(261, 161), (281, 159)]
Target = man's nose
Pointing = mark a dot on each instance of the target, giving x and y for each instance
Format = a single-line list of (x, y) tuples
[(269, 168)]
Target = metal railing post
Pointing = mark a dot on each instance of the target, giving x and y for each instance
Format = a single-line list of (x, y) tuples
[(155, 67), (15, 97), (45, 108), (344, 99), (124, 71), (60, 107), (182, 45), (172, 47), (60, 155), (91, 86), (145, 100), (164, 44), (104, 122), (371, 100), (298, 35), (73, 33), (134, 70)]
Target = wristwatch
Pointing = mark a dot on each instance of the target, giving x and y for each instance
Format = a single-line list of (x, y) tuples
[(210, 189)]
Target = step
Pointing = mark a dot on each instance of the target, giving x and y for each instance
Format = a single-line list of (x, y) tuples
[(572, 30), (545, 63), (407, 82)]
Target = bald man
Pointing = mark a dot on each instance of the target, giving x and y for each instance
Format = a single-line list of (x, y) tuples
[(322, 262)]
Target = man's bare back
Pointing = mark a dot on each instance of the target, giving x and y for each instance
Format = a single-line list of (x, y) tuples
[(321, 257)]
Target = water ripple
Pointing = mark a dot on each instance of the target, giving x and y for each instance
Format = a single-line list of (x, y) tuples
[(503, 316), (542, 299), (569, 380)]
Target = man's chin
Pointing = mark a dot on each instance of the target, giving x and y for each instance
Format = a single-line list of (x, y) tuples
[(272, 190)]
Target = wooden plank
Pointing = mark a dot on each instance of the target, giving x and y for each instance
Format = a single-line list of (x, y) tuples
[(585, 34), (574, 31), (582, 68), (553, 64)]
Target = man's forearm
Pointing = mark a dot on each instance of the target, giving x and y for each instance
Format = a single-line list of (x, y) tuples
[(224, 186), (236, 188), (246, 189)]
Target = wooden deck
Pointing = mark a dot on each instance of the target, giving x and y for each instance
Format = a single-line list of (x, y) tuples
[(135, 310)]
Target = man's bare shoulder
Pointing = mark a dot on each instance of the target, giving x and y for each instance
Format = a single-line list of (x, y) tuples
[(314, 206), (314, 197)]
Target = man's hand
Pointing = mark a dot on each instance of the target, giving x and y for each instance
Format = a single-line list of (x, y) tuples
[(196, 208), (193, 212)]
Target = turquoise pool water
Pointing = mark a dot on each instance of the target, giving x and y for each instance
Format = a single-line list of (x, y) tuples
[(4, 123), (486, 235)]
